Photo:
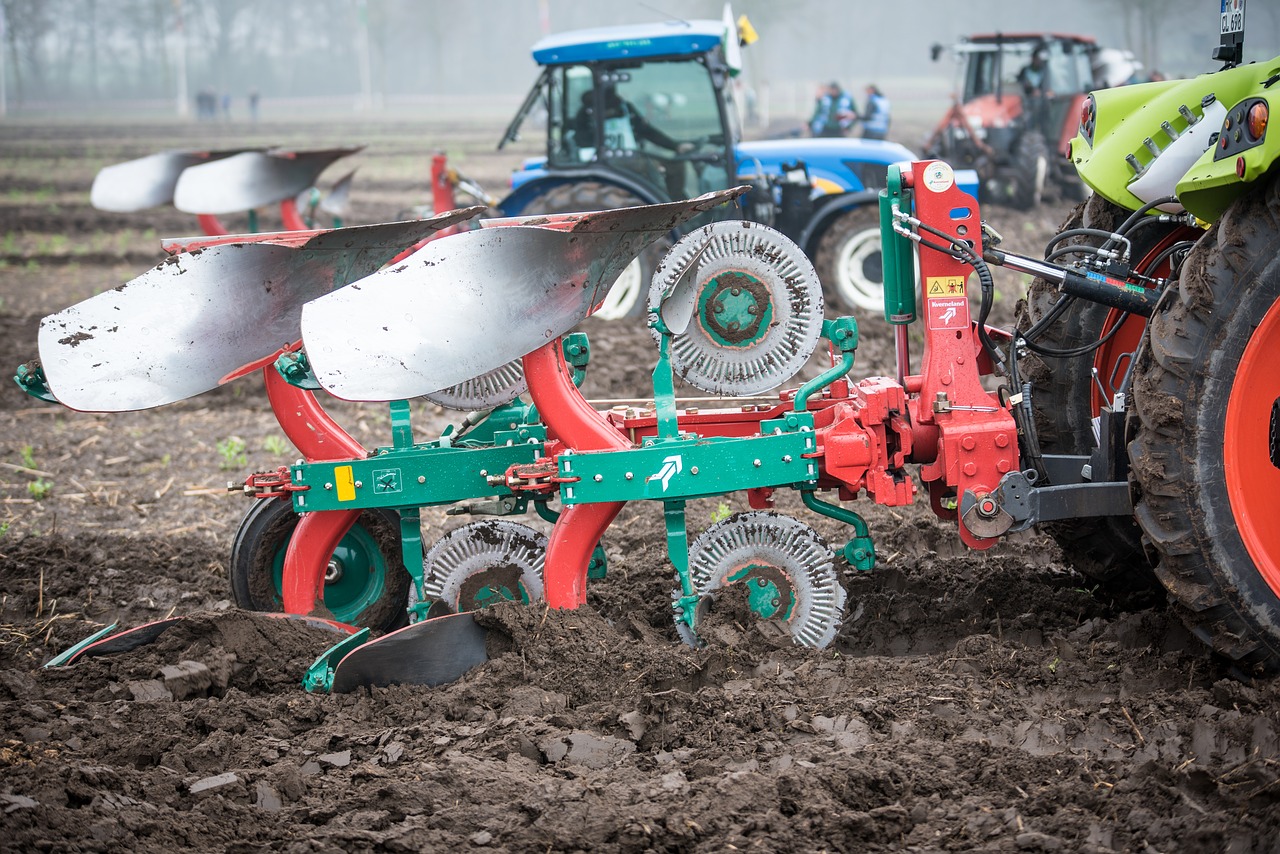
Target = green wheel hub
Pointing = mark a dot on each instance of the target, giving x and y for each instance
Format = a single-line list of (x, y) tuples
[(735, 309), (491, 586), (770, 593), (353, 580)]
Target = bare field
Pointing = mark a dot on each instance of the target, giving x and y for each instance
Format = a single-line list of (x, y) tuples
[(987, 702)]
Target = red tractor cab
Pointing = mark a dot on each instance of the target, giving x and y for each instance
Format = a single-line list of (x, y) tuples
[(1016, 107)]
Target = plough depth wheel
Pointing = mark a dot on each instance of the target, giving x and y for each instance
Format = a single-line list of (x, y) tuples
[(785, 567), (366, 583), (483, 563), (1207, 451)]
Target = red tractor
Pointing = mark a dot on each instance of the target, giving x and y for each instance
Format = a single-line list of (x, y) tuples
[(1016, 108)]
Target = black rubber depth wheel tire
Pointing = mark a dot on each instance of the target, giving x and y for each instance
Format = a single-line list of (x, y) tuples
[(1105, 549), (374, 546), (1182, 453), (631, 300), (850, 262)]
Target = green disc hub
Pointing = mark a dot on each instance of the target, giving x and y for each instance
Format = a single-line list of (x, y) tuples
[(354, 578), (491, 586), (735, 309), (770, 594)]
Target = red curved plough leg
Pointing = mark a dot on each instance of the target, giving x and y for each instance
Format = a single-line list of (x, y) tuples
[(318, 437), (572, 420)]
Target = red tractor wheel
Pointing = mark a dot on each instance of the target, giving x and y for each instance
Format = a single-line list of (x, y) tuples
[(1205, 451), (1067, 397)]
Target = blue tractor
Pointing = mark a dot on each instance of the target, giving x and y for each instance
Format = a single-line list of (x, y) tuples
[(644, 114)]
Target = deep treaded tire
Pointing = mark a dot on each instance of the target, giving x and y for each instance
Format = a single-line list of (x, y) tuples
[(1030, 171), (1107, 549), (849, 261), (628, 298), (1206, 396)]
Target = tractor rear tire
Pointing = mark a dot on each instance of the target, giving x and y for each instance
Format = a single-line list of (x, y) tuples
[(849, 261), (1205, 451), (629, 295), (1106, 549), (1030, 170), (371, 590)]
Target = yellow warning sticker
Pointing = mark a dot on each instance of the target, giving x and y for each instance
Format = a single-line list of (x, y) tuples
[(345, 483), (937, 287)]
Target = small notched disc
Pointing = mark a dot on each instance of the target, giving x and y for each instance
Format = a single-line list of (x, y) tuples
[(493, 388), (485, 562), (754, 305), (786, 567)]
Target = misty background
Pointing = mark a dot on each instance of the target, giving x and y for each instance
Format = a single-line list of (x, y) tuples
[(117, 58)]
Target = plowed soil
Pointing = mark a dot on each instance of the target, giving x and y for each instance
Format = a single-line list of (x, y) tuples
[(990, 701)]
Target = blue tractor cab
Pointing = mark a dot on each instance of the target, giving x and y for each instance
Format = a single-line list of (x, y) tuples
[(643, 114)]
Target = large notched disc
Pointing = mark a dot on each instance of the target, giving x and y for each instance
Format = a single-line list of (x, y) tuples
[(485, 562), (787, 568), (747, 306), (494, 388)]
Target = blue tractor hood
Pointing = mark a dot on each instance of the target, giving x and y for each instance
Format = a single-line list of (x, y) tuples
[(635, 41)]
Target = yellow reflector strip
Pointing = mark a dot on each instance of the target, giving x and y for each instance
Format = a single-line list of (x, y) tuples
[(345, 483)]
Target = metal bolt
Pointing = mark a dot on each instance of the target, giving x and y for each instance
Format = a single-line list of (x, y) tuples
[(333, 572), (359, 484), (735, 291), (630, 475), (328, 486), (786, 458), (693, 470), (755, 463), (422, 478), (598, 478), (753, 309), (970, 469), (484, 472), (968, 443), (1002, 440)]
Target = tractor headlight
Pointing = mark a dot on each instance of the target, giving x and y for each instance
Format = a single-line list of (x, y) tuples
[(1243, 128), (1255, 121)]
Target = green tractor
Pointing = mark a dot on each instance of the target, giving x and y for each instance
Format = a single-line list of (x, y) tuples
[(1185, 403)]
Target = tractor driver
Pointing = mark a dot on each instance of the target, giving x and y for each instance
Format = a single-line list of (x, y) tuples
[(1036, 89), (624, 129)]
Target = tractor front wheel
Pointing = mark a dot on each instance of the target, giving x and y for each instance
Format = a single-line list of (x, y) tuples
[(849, 260), (1206, 451), (627, 297), (365, 582)]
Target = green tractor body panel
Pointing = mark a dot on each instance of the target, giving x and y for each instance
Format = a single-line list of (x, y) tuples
[(1144, 142)]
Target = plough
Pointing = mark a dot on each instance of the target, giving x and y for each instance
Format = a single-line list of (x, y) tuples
[(1163, 415), (476, 319), (217, 182)]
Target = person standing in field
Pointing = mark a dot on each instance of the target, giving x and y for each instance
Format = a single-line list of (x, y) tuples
[(833, 113), (875, 120)]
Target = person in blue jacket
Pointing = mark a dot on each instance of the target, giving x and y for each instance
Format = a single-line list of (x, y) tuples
[(875, 121), (834, 112)]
